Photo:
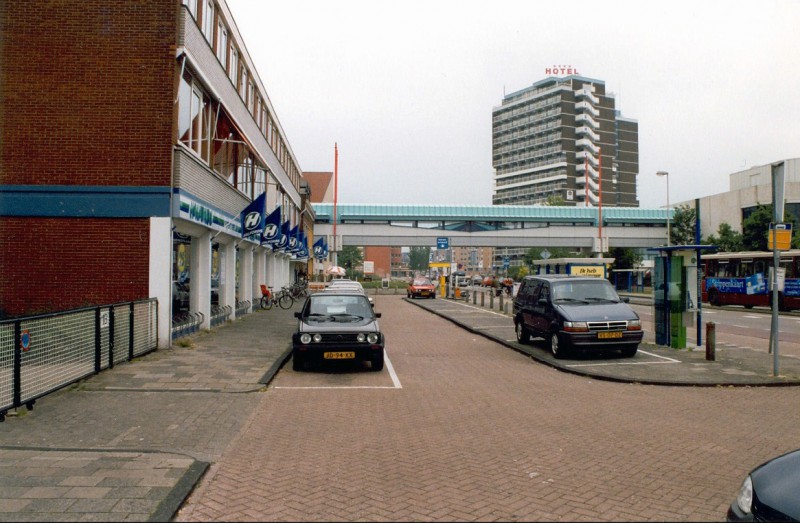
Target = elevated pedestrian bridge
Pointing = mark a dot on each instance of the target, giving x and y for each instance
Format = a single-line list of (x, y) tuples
[(491, 225)]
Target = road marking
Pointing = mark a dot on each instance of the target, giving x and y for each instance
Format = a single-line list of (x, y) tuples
[(669, 360), (481, 309), (389, 367)]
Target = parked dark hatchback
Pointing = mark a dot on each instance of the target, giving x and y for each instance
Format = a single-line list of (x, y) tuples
[(771, 492), (337, 325), (575, 313)]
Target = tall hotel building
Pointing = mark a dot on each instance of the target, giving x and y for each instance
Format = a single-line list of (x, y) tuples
[(132, 135), (558, 138)]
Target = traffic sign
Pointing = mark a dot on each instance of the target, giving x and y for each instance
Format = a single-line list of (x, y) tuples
[(442, 243), (780, 236)]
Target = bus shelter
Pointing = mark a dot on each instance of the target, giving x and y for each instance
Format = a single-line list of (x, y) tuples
[(677, 300)]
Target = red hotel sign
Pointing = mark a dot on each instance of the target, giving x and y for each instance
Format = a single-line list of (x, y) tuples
[(561, 70)]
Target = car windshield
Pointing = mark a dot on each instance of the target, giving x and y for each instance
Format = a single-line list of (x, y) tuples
[(422, 282), (586, 291), (323, 307)]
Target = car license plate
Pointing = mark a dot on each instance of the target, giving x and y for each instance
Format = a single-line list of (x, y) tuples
[(339, 355), (608, 335)]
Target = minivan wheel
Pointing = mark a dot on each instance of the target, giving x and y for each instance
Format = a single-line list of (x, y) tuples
[(555, 346), (523, 336)]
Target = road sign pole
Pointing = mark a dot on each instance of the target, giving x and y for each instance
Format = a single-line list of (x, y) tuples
[(777, 211)]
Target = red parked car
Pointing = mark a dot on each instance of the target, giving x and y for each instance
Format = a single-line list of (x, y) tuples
[(421, 287)]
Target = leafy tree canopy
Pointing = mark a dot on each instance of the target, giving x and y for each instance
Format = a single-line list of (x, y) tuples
[(726, 240), (682, 227), (418, 258), (350, 257), (755, 229)]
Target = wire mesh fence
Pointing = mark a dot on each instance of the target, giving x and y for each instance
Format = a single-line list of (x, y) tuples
[(41, 354)]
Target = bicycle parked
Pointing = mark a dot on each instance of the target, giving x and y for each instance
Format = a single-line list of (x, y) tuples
[(299, 290), (267, 299), (284, 297)]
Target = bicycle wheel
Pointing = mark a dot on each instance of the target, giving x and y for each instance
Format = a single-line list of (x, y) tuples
[(286, 301), (266, 303)]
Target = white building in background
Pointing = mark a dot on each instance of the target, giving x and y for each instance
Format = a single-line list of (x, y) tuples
[(748, 189)]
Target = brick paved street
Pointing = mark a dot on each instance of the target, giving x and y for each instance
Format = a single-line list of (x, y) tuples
[(472, 431)]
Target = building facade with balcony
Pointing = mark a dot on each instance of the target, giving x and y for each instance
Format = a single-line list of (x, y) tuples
[(563, 138), (133, 136)]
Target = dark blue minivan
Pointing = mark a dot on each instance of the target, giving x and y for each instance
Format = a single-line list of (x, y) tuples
[(575, 313)]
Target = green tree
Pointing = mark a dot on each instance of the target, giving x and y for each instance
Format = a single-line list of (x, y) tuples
[(755, 229), (418, 258), (555, 200), (625, 258), (350, 257), (727, 240), (683, 225)]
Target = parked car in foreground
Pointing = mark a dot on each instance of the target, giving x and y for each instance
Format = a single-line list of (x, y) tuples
[(421, 288), (575, 313), (337, 325), (771, 492)]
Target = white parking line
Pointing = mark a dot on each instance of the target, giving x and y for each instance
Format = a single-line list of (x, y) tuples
[(389, 367), (669, 360), (481, 309)]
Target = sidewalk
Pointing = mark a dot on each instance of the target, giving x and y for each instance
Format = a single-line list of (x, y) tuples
[(130, 443), (653, 364)]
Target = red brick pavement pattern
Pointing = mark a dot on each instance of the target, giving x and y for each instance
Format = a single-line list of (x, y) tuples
[(479, 432)]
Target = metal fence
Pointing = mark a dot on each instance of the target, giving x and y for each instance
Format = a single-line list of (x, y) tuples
[(41, 354)]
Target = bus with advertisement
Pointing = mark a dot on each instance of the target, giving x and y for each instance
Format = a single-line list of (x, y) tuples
[(742, 278)]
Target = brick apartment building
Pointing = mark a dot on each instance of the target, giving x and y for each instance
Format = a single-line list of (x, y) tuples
[(133, 135)]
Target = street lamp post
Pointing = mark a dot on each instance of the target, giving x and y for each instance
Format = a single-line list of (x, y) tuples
[(665, 173)]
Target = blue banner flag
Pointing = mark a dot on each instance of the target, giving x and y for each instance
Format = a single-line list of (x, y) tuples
[(253, 216), (293, 244), (283, 243), (272, 228), (319, 248)]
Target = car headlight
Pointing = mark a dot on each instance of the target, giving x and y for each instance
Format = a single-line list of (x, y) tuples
[(745, 497), (576, 326), (305, 339), (373, 337), (317, 338), (361, 337), (634, 325)]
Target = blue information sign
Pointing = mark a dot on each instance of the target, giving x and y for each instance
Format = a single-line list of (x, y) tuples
[(442, 243)]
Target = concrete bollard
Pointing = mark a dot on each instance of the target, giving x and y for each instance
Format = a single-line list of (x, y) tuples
[(711, 341), (483, 299)]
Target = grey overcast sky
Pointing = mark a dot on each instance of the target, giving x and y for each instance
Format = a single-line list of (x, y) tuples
[(406, 89)]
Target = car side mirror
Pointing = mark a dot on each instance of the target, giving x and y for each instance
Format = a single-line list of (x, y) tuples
[(298, 315), (377, 314), (625, 299)]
